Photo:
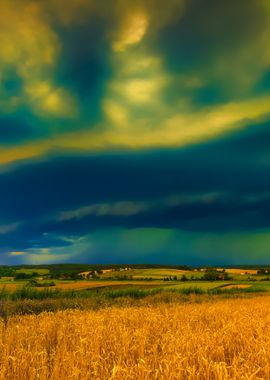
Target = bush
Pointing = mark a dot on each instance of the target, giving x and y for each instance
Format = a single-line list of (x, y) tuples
[(184, 278), (36, 284)]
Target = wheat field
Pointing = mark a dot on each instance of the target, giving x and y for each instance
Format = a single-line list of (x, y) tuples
[(224, 339)]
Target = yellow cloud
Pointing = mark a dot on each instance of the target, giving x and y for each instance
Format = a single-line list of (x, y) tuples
[(132, 98), (134, 64), (175, 131), (17, 253), (139, 90), (24, 152), (45, 98), (26, 40), (136, 17), (138, 80), (131, 31), (46, 255), (115, 113), (135, 87), (29, 45)]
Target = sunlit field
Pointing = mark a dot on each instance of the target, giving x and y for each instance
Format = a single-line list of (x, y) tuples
[(225, 339), (77, 285)]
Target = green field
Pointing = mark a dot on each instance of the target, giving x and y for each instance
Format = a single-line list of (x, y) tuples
[(204, 285), (161, 273), (40, 271), (87, 285), (154, 273), (35, 295), (149, 273), (124, 281)]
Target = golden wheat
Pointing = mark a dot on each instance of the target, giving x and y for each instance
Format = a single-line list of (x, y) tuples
[(228, 339)]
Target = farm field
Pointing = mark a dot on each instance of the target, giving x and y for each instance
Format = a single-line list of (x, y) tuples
[(204, 285), (160, 273), (260, 286), (33, 290), (154, 273), (224, 339), (40, 271), (101, 284), (94, 295), (241, 271), (131, 271), (78, 285), (79, 278)]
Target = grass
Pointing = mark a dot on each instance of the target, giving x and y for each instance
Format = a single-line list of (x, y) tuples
[(225, 339), (17, 289), (154, 273), (93, 294), (40, 271), (48, 293), (76, 285), (204, 285), (127, 290), (243, 271), (161, 273)]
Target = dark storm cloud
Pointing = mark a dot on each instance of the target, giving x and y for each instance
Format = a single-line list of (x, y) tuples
[(19, 127), (209, 29), (228, 213), (216, 42), (175, 190), (85, 65)]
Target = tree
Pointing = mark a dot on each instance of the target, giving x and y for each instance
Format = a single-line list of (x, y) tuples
[(212, 274)]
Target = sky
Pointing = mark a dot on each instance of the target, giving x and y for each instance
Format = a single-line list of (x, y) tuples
[(135, 131)]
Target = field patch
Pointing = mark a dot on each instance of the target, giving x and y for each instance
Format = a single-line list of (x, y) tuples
[(102, 284), (241, 271), (84, 285), (40, 271), (153, 273), (237, 286)]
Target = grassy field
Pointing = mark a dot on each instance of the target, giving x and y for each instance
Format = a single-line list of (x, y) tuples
[(114, 284), (145, 273), (100, 284), (77, 285), (131, 283), (161, 273), (40, 271), (199, 284), (154, 273), (224, 339), (34, 300), (241, 271)]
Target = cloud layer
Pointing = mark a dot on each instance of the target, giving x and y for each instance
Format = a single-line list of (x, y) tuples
[(136, 131)]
